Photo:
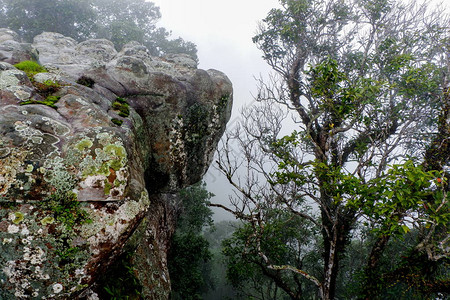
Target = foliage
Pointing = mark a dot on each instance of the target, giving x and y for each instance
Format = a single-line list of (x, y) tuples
[(31, 68), (280, 240), (117, 121), (189, 249), (120, 21), (124, 21), (364, 82), (219, 287), (186, 273), (175, 46), (122, 106), (86, 81), (31, 17), (119, 282), (49, 101), (66, 209)]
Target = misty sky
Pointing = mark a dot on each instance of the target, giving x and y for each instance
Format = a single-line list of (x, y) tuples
[(222, 31)]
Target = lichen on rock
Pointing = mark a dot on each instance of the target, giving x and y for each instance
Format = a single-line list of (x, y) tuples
[(92, 154)]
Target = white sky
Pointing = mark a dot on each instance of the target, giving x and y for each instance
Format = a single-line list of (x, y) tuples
[(222, 31)]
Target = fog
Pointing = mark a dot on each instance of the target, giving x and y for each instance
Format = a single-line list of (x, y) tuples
[(222, 31)]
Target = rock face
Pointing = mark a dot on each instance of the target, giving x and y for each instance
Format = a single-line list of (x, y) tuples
[(92, 155)]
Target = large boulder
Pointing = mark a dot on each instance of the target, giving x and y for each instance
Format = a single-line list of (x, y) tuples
[(92, 155)]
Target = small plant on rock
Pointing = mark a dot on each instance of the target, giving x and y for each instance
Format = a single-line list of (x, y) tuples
[(46, 88), (66, 209), (31, 68), (121, 105), (86, 81), (49, 101), (117, 121)]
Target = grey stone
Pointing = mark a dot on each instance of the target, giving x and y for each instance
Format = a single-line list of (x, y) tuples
[(123, 162)]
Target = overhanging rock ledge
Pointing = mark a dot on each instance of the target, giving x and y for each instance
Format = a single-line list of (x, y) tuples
[(117, 133)]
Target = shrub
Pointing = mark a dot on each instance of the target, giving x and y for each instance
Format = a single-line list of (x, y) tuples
[(46, 88), (86, 81)]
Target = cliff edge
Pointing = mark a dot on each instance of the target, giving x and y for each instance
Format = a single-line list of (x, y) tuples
[(93, 150)]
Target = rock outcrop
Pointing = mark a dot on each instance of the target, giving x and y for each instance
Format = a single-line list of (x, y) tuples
[(92, 154)]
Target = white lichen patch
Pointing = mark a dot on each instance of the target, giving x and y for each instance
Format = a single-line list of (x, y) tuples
[(27, 132), (58, 128), (25, 231), (34, 256), (82, 102), (7, 241), (109, 227), (29, 264), (177, 147), (57, 175), (93, 181), (12, 228), (57, 288), (22, 93), (9, 168), (9, 78)]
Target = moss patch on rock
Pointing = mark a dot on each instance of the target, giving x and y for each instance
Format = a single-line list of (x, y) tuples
[(31, 68), (49, 101), (121, 106)]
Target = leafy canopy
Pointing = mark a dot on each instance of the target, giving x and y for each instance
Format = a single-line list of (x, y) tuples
[(120, 21)]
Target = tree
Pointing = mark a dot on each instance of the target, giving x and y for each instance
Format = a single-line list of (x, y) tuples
[(283, 240), (364, 82), (120, 21), (189, 249), (130, 20), (31, 17), (220, 288)]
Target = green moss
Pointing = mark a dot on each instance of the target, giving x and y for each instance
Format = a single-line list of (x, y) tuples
[(117, 121), (31, 68), (123, 115), (121, 100), (122, 106), (116, 106), (49, 101), (124, 110), (66, 209)]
